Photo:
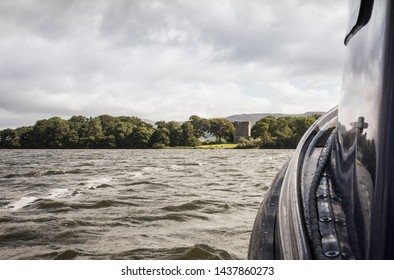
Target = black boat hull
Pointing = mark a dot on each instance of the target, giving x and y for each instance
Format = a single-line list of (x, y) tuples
[(335, 198)]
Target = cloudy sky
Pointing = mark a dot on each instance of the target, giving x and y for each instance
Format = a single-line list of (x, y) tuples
[(168, 59)]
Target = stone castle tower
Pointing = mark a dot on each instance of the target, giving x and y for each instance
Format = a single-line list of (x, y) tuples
[(242, 130)]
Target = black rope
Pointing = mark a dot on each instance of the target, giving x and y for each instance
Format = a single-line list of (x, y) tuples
[(315, 237)]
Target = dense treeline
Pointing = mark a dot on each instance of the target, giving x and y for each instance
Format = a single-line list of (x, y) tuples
[(278, 133), (107, 132)]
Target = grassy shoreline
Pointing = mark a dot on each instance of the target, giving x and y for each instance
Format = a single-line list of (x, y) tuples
[(217, 146), (207, 146)]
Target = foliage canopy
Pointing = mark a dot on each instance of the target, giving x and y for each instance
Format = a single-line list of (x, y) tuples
[(108, 132)]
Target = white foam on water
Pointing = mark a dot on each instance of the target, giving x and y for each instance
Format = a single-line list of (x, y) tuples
[(23, 202), (147, 171), (92, 184), (58, 193), (176, 167), (137, 174), (27, 200), (151, 170)]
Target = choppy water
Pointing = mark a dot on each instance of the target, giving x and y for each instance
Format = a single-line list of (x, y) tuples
[(131, 204)]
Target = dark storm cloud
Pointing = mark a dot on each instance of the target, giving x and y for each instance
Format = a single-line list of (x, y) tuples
[(303, 33)]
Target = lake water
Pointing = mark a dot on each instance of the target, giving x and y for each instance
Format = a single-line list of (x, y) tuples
[(132, 204)]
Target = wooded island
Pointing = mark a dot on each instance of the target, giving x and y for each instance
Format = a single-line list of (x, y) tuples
[(124, 132)]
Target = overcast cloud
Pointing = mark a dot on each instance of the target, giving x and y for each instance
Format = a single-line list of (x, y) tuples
[(167, 60)]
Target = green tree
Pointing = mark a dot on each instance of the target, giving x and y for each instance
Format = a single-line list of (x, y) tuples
[(281, 131), (57, 132), (161, 124), (24, 136), (188, 137), (94, 128), (71, 140), (161, 137), (108, 124), (201, 126), (39, 134), (175, 133), (262, 130), (50, 133), (222, 129), (300, 125), (105, 142), (262, 127), (249, 143), (122, 131), (92, 133), (9, 139), (79, 125), (140, 138)]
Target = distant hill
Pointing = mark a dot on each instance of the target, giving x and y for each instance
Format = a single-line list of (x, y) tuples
[(252, 118), (149, 121)]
